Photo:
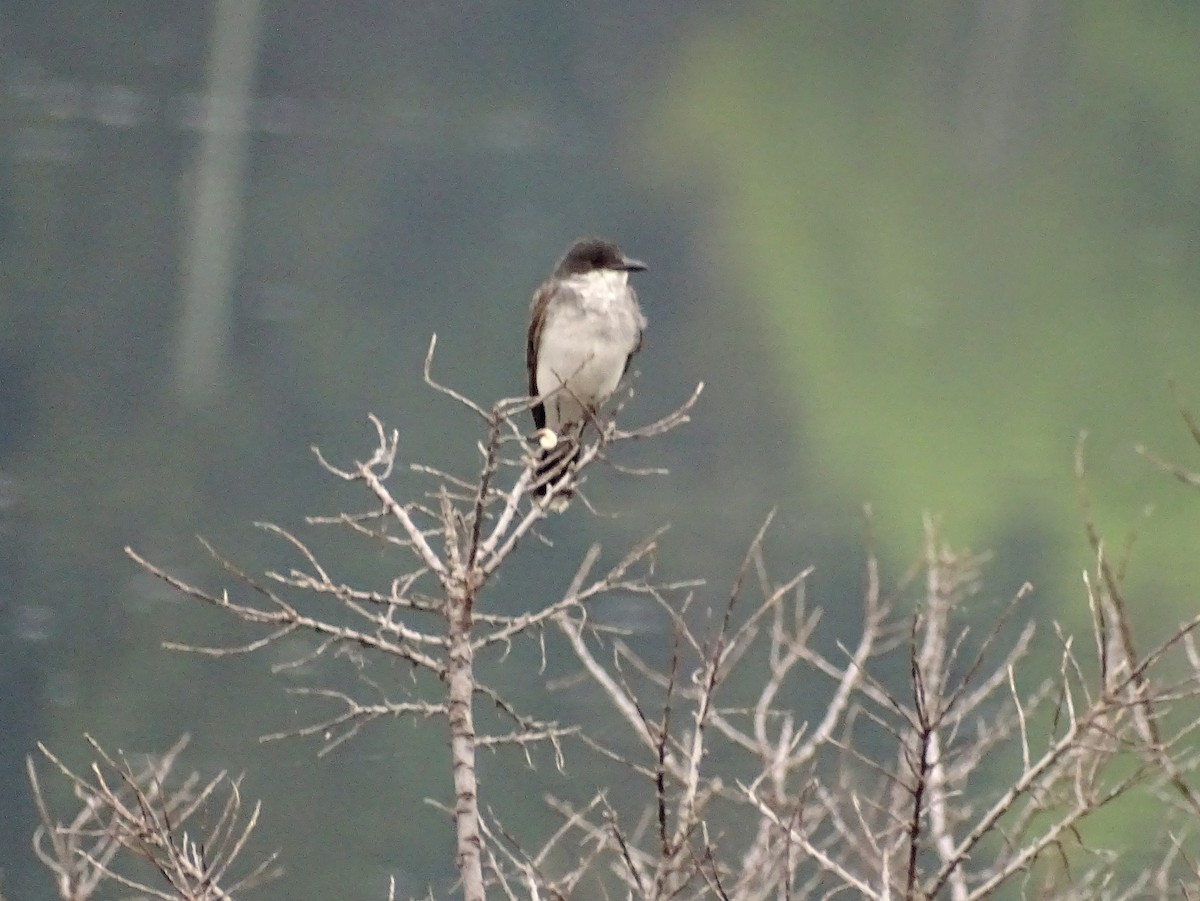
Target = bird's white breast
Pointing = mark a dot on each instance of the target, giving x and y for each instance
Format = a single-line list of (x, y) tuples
[(585, 342)]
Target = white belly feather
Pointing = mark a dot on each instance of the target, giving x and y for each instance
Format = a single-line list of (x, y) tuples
[(582, 354)]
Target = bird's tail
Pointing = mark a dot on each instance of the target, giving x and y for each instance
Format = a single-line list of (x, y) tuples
[(553, 464)]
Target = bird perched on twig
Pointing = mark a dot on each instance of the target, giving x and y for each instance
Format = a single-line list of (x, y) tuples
[(585, 326)]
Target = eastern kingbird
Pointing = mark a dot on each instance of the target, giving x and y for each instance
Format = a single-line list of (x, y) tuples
[(585, 326)]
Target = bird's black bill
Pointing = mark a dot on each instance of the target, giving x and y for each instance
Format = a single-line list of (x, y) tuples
[(633, 265)]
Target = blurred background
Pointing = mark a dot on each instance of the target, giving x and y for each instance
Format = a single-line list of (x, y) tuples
[(913, 250)]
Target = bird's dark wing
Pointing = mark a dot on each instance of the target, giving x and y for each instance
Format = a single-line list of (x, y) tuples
[(537, 318), (637, 347)]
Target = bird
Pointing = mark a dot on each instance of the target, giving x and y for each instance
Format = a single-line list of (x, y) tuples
[(585, 325)]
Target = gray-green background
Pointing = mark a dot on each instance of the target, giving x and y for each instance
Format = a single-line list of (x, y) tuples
[(913, 249)]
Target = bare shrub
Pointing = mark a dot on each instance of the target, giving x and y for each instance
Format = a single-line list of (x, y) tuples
[(140, 814), (942, 764)]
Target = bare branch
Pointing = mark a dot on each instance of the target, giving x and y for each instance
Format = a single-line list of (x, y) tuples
[(132, 809)]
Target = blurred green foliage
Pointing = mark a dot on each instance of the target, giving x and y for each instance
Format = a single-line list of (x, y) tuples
[(969, 241)]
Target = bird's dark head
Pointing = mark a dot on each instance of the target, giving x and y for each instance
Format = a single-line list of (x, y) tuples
[(590, 254)]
